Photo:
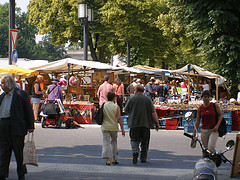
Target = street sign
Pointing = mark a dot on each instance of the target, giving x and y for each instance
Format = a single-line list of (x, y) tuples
[(14, 56), (14, 34)]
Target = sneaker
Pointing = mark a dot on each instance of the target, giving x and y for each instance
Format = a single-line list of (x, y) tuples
[(135, 158), (143, 161)]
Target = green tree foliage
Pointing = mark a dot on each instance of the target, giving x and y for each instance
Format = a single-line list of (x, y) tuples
[(26, 45), (116, 23), (214, 28)]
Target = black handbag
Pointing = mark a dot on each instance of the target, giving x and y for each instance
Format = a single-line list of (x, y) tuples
[(50, 109), (98, 116), (222, 129)]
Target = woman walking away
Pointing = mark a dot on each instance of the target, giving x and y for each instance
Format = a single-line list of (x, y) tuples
[(209, 131), (111, 118)]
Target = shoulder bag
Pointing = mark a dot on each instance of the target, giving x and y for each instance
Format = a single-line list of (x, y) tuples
[(222, 129)]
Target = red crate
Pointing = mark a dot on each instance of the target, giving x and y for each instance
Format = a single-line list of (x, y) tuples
[(171, 127), (171, 122)]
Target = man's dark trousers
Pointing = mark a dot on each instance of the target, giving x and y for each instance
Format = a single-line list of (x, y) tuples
[(140, 136), (9, 143)]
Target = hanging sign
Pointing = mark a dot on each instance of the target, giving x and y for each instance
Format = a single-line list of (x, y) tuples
[(14, 34)]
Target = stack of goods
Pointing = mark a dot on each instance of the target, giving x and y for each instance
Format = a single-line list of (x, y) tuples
[(227, 115)]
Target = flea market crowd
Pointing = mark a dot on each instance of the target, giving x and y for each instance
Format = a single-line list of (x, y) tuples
[(136, 100)]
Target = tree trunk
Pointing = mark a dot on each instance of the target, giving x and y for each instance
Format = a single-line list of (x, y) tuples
[(92, 49)]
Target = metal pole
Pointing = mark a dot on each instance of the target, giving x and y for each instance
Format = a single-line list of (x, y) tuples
[(11, 26), (85, 43), (128, 54)]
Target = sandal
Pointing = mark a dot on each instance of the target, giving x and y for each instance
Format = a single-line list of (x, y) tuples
[(108, 163), (115, 162)]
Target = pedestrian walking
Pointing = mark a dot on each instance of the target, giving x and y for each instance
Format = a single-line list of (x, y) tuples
[(16, 119), (103, 90), (209, 131), (141, 113), (111, 118), (119, 91), (36, 96)]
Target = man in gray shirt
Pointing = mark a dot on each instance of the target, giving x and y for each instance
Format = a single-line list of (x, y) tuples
[(141, 114)]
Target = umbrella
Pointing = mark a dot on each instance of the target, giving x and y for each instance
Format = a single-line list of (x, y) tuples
[(19, 72)]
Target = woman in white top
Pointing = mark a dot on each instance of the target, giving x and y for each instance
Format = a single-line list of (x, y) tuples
[(111, 118)]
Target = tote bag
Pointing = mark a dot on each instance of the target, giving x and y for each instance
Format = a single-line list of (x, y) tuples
[(29, 152)]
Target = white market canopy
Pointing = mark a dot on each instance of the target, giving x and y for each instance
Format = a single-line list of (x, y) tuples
[(191, 69), (151, 70), (74, 65)]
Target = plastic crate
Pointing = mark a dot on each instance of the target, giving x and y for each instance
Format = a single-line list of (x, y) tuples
[(189, 129), (171, 122), (228, 121), (227, 114), (162, 122), (229, 128), (124, 119), (125, 127), (171, 127)]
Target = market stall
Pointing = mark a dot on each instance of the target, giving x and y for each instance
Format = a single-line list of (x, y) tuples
[(83, 79)]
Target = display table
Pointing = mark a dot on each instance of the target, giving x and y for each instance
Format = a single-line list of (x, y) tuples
[(82, 113)]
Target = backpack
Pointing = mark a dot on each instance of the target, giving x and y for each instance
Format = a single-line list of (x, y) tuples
[(222, 129), (98, 116), (162, 91)]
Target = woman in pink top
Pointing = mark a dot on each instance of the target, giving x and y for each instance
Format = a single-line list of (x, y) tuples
[(119, 91)]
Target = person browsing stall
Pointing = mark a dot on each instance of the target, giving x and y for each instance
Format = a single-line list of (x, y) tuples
[(111, 118), (209, 131), (16, 119), (104, 89)]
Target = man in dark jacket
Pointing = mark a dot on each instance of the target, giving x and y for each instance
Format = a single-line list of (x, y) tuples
[(16, 119)]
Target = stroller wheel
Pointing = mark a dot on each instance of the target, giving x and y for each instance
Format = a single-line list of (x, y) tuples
[(43, 121)]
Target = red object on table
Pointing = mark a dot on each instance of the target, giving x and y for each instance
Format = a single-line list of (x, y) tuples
[(163, 112), (86, 109)]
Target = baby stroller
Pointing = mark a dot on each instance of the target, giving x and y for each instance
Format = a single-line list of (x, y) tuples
[(51, 112)]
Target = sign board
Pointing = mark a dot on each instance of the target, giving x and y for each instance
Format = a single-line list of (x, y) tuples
[(14, 56), (14, 34), (235, 171)]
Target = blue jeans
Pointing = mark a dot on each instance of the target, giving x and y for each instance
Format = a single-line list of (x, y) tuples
[(140, 136)]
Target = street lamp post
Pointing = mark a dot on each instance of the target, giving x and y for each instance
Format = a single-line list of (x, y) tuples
[(85, 15), (11, 26)]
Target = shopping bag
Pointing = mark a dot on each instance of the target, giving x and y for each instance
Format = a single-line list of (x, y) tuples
[(29, 152), (98, 116)]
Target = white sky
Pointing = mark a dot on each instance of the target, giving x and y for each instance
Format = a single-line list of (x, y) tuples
[(19, 3)]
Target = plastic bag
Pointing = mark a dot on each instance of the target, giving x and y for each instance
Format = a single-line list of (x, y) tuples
[(29, 152)]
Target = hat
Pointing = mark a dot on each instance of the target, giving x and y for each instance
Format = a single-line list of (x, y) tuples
[(152, 79), (138, 80), (55, 80)]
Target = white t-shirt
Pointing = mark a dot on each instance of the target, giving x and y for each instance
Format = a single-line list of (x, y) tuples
[(205, 87), (238, 97)]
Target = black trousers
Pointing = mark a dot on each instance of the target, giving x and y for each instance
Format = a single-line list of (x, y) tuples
[(9, 143), (120, 103), (140, 136)]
